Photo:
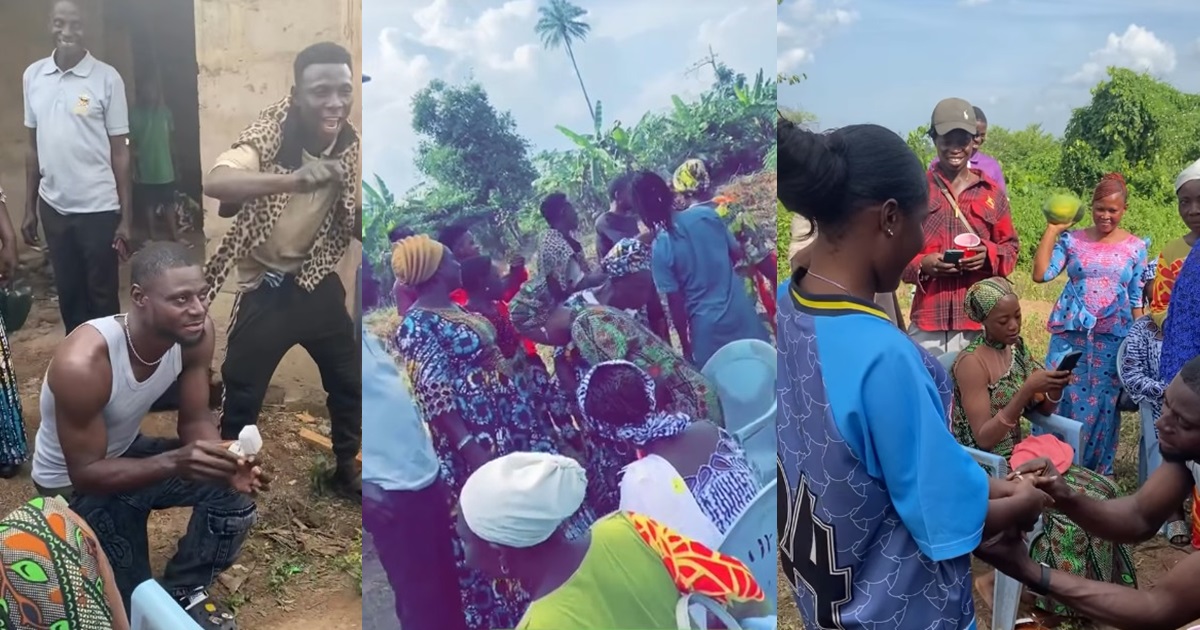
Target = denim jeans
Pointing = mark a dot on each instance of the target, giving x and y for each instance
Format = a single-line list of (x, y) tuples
[(221, 520), (1149, 457)]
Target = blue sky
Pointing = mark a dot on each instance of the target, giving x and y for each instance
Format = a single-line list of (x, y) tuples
[(1022, 61), (637, 55)]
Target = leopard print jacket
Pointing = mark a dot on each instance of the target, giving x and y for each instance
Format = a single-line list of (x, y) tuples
[(257, 218)]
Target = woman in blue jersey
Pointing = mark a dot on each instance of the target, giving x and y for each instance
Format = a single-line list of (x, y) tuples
[(881, 508)]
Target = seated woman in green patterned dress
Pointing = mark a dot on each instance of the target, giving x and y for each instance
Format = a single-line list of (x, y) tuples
[(996, 381)]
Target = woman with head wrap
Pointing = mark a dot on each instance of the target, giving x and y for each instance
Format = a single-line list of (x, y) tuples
[(693, 260), (691, 182), (474, 404), (1181, 330), (1105, 267), (995, 378), (995, 382), (691, 476), (1170, 261), (629, 572)]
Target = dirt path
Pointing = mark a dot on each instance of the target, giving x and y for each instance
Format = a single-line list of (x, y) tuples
[(304, 556)]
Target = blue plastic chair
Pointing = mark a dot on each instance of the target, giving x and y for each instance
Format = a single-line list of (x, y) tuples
[(152, 608), (743, 372), (754, 540), (1007, 594)]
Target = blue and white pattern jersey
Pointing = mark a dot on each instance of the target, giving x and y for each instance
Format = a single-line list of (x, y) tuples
[(879, 508)]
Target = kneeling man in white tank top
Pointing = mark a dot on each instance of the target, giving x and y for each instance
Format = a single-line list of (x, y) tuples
[(101, 383)]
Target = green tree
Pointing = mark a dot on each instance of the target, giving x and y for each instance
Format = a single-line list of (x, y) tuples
[(559, 25), (476, 165)]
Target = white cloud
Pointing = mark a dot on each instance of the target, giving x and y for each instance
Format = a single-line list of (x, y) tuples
[(500, 37), (636, 56), (1137, 49), (803, 25)]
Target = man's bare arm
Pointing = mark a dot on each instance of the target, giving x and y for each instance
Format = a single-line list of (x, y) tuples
[(1134, 518), (196, 420), (1171, 603), (235, 186), (122, 164), (33, 171), (80, 377)]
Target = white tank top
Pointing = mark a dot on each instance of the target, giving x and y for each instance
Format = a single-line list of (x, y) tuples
[(128, 403)]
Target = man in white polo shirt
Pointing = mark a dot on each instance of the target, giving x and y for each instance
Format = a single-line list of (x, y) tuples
[(78, 171), (405, 505)]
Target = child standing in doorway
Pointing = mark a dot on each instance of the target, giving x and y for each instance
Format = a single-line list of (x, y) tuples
[(151, 129)]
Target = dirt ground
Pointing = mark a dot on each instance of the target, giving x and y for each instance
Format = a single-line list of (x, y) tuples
[(1153, 558), (301, 567)]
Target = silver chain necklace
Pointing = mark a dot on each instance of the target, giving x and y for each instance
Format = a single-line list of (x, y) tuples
[(129, 339), (828, 281)]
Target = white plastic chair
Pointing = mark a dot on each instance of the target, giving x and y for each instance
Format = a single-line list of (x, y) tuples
[(693, 612), (1007, 593), (754, 540), (152, 608), (743, 373)]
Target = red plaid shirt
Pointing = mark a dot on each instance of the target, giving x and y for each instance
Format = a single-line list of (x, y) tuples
[(938, 305)]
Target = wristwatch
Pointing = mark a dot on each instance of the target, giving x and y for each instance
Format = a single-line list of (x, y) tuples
[(1043, 585)]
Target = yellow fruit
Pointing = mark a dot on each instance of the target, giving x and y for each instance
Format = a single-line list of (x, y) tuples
[(1063, 209)]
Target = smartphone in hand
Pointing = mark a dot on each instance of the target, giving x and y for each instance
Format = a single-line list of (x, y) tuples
[(1070, 361), (952, 256)]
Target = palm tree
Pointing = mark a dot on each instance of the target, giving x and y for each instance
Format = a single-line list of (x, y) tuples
[(559, 25)]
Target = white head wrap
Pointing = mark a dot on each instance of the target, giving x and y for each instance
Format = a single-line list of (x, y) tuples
[(1190, 173), (520, 499)]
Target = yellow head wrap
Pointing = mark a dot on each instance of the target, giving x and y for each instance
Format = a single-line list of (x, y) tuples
[(415, 259), (691, 176)]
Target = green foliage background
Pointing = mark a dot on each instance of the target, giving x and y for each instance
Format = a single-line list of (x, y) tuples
[(1136, 125), (478, 169)]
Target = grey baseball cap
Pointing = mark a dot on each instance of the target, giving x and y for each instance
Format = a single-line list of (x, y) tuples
[(951, 114)]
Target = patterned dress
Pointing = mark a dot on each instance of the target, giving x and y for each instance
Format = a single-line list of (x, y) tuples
[(605, 334), (531, 373), (1093, 314), (1000, 394), (53, 575), (1062, 544), (14, 449), (455, 366), (725, 486)]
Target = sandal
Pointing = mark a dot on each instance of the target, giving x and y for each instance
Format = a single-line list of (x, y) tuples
[(1177, 533)]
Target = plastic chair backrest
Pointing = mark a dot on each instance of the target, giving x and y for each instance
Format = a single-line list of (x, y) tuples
[(744, 372), (152, 608), (693, 610), (759, 441), (947, 361), (754, 540), (1121, 359), (1065, 429)]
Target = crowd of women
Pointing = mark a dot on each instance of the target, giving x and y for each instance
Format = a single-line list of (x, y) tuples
[(622, 393), (960, 374)]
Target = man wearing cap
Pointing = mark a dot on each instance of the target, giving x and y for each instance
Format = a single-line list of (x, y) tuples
[(969, 235), (1171, 602), (979, 159)]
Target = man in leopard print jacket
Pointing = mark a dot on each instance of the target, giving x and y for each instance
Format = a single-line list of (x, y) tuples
[(291, 183)]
